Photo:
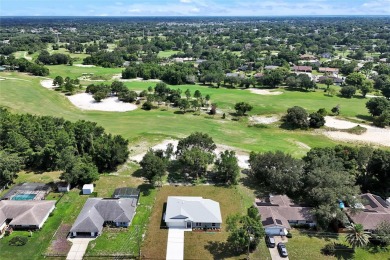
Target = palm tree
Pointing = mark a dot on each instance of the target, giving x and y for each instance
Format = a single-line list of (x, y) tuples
[(357, 237)]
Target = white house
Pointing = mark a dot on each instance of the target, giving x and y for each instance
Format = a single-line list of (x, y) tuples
[(87, 189), (192, 212)]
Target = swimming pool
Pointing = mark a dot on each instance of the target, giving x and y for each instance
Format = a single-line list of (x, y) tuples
[(27, 196)]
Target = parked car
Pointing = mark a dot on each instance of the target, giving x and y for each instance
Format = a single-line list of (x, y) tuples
[(270, 241), (282, 249)]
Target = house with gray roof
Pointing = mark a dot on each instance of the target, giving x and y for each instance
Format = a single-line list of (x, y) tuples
[(192, 212), (19, 214), (98, 212)]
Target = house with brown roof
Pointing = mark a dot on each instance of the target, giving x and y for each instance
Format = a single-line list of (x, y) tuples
[(328, 70), (374, 210), (19, 214), (279, 213), (302, 68), (307, 57)]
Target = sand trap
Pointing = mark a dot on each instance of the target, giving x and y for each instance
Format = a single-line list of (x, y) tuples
[(2, 79), (374, 135), (264, 92), (242, 157), (264, 119), (84, 66), (118, 77), (47, 83), (85, 101)]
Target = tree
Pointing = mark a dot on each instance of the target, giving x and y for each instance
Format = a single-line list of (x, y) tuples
[(386, 90), (383, 120), (332, 91), (150, 89), (296, 117), (195, 161), (327, 81), (355, 79), (197, 139), (272, 78), (184, 104), (336, 110), (80, 173), (58, 81), (348, 91), (10, 165), (188, 94), (226, 168), (366, 87), (357, 236), (242, 107), (316, 120), (99, 96), (277, 172), (382, 232), (153, 167), (197, 94), (377, 105)]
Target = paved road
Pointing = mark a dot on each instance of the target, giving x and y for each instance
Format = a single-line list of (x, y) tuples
[(79, 246), (274, 251)]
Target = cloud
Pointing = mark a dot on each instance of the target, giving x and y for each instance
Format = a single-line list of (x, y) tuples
[(185, 1)]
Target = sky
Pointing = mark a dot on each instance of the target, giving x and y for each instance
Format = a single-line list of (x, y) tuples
[(192, 7)]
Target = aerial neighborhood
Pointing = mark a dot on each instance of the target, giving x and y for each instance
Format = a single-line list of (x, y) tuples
[(128, 134)]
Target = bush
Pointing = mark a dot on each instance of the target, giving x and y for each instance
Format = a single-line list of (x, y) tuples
[(18, 241), (348, 91), (289, 235), (329, 249), (147, 105)]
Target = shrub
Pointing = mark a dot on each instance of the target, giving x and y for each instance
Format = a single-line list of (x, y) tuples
[(289, 235), (329, 249), (18, 241), (147, 105)]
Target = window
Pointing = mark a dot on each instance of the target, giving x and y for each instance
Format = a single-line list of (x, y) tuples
[(198, 224), (213, 224)]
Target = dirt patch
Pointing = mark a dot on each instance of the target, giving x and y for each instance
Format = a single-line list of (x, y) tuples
[(47, 83), (85, 101), (264, 92), (60, 245), (373, 135), (264, 119)]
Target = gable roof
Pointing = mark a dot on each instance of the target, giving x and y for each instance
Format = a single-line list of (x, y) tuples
[(98, 210), (24, 213), (195, 209), (375, 210)]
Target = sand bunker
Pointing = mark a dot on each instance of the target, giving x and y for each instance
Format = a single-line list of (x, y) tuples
[(373, 135), (85, 101), (84, 66), (47, 83), (242, 157), (118, 77), (264, 119), (264, 92)]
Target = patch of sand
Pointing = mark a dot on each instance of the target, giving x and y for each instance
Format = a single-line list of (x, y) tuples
[(47, 83), (373, 135), (85, 101), (264, 91), (242, 157), (84, 66), (264, 119), (302, 145), (119, 78)]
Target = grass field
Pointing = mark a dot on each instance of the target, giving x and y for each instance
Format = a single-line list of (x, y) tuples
[(166, 54), (208, 245)]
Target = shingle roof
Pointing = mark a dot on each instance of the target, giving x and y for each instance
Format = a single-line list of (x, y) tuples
[(376, 210), (32, 212), (98, 210), (195, 209)]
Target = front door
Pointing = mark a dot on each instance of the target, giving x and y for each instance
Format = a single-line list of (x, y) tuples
[(189, 224)]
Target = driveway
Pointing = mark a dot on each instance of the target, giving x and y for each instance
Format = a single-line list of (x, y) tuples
[(79, 246), (175, 245), (274, 251)]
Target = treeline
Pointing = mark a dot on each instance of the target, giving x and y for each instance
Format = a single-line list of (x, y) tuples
[(29, 43), (57, 58), (324, 177), (175, 74), (105, 59), (81, 150), (24, 65)]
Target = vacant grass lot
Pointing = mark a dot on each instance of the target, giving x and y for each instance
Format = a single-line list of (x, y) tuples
[(166, 54), (207, 245)]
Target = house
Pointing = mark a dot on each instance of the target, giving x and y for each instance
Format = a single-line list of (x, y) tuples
[(328, 70), (98, 212), (63, 187), (87, 189), (307, 57), (302, 68), (337, 81), (126, 193), (326, 55), (192, 212), (279, 214), (374, 210), (271, 67), (258, 75), (234, 75), (23, 214)]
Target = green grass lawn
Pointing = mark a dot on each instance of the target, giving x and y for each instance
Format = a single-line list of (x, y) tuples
[(166, 54), (307, 246)]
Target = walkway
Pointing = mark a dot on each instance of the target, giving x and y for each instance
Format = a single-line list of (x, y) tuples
[(79, 246), (175, 245)]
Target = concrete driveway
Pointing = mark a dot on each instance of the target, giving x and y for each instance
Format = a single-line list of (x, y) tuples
[(274, 251), (175, 245), (79, 246)]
